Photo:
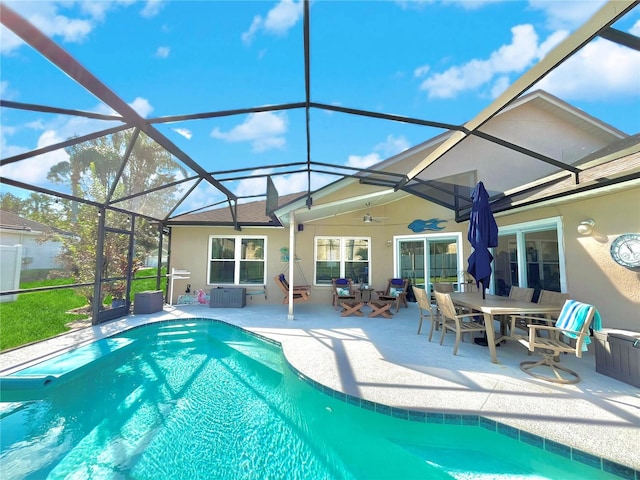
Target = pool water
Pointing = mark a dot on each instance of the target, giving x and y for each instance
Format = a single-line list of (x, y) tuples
[(200, 400)]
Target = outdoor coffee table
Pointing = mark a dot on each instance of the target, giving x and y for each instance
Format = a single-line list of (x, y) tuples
[(351, 307), (381, 306)]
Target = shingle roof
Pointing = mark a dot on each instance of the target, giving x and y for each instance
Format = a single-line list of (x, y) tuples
[(250, 213), (11, 221)]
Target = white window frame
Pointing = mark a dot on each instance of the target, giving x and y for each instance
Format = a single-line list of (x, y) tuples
[(237, 258), (342, 260), (519, 230), (426, 237)]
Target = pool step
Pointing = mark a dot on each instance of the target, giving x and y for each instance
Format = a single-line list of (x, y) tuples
[(180, 333), (48, 372)]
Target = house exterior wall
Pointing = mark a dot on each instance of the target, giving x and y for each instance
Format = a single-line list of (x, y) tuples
[(592, 276)]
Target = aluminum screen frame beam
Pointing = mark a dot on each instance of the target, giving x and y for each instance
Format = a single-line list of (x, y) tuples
[(70, 66)]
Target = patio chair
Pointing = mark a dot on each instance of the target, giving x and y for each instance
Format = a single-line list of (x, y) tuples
[(426, 308), (396, 292), (345, 297), (515, 293), (443, 287), (342, 290), (574, 322), (451, 320), (547, 297), (300, 293), (446, 287), (521, 293)]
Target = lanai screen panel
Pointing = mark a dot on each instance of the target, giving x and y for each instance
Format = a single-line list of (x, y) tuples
[(190, 58), (156, 203)]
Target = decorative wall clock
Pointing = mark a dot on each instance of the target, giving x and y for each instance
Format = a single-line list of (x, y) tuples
[(625, 250)]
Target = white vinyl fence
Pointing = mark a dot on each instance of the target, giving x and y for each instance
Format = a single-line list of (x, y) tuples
[(11, 261)]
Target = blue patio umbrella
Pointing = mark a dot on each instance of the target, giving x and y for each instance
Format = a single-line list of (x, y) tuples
[(483, 235)]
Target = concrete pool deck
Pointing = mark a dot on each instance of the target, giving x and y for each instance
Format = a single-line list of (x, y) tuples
[(385, 361)]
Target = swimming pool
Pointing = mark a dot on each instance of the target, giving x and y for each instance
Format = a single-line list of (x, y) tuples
[(201, 399)]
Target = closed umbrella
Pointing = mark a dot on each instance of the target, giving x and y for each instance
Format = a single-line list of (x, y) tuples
[(483, 235)]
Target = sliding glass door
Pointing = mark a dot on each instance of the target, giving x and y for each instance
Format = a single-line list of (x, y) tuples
[(427, 259), (530, 255)]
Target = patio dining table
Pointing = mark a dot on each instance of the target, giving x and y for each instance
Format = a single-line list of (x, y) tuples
[(497, 305)]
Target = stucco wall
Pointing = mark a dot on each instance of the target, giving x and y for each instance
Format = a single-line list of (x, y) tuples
[(592, 276)]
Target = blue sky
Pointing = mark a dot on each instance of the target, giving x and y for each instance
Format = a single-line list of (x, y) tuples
[(434, 60)]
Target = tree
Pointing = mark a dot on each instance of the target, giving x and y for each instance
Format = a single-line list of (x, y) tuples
[(95, 170), (72, 170)]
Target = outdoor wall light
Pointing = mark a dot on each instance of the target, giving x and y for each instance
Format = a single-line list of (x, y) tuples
[(586, 227), (389, 242)]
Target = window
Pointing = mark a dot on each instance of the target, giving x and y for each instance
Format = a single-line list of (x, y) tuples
[(530, 255), (344, 257), (236, 260)]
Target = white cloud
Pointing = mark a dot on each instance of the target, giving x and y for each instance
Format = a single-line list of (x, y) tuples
[(163, 52), (4, 88), (142, 106), (500, 85), (264, 130), (34, 170), (49, 131), (390, 147), (298, 182), (421, 71), (152, 8), (550, 43), (600, 70), (363, 161), (184, 132), (55, 21), (253, 186), (283, 16), (566, 15), (635, 30), (285, 184), (256, 24), (476, 73), (278, 21), (45, 16)]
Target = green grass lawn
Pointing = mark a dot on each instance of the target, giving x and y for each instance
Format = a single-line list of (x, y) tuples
[(35, 316), (40, 315)]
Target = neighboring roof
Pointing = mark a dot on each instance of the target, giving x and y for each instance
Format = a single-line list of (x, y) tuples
[(11, 221)]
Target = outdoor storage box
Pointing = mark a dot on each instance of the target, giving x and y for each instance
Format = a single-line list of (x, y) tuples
[(618, 355), (148, 302), (227, 297)]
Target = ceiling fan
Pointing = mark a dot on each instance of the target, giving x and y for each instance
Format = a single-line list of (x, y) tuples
[(367, 216)]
